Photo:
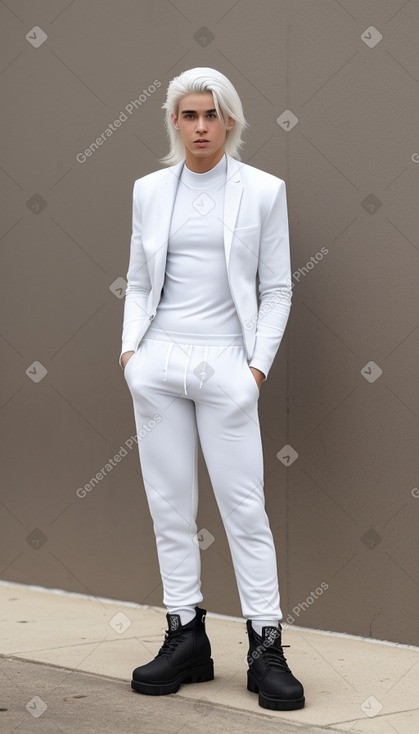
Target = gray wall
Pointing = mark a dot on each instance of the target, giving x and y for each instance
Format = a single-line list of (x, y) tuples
[(343, 392)]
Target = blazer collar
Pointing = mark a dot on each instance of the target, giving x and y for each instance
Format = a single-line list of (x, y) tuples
[(232, 198)]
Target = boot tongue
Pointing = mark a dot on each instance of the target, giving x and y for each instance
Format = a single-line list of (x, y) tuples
[(270, 635), (173, 622)]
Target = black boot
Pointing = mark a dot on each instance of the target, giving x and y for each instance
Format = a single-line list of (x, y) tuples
[(185, 657), (269, 674)]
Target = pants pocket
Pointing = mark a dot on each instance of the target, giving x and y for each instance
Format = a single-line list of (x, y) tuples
[(251, 377), (131, 363)]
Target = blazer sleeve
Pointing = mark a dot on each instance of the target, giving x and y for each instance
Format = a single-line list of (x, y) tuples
[(138, 282), (275, 284)]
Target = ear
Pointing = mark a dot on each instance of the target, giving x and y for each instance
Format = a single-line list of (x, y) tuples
[(230, 123), (174, 119)]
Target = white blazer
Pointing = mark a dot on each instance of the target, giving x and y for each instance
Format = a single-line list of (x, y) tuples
[(257, 254)]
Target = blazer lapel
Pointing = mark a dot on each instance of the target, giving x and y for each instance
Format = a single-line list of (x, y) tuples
[(232, 198), (165, 199)]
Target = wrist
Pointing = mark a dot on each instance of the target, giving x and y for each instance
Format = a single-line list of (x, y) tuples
[(125, 358)]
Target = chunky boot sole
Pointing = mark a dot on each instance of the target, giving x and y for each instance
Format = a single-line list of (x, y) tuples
[(194, 675), (267, 702)]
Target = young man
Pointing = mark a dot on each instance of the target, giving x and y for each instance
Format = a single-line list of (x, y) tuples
[(197, 344)]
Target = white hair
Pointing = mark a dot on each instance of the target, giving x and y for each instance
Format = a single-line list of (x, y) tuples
[(227, 104)]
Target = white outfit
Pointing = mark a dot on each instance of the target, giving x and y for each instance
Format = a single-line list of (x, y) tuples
[(190, 373), (256, 245)]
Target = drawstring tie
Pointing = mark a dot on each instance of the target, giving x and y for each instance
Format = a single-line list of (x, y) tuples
[(186, 369), (166, 366), (202, 374), (204, 371)]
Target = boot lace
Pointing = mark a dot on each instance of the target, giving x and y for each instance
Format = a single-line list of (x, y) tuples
[(171, 642), (275, 657)]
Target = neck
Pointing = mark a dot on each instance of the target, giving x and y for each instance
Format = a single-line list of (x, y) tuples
[(203, 165)]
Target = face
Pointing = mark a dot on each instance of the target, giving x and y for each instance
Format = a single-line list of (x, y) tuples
[(203, 133)]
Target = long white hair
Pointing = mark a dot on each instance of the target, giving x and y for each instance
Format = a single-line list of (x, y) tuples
[(226, 101)]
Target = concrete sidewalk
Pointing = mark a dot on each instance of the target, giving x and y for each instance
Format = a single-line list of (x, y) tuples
[(66, 662)]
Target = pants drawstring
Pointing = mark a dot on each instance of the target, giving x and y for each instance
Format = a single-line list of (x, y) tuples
[(202, 375), (186, 369), (166, 366), (204, 371)]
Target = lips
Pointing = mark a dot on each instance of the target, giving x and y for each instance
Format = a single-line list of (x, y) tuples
[(201, 140)]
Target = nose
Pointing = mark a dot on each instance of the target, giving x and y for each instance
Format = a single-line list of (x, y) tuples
[(201, 124)]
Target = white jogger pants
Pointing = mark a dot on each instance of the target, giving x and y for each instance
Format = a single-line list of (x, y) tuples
[(180, 392)]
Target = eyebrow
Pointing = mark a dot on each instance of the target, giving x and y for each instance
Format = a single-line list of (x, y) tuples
[(188, 112)]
